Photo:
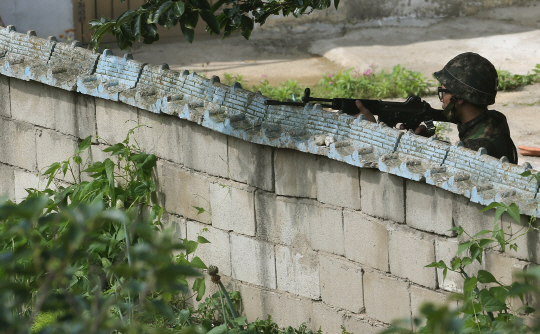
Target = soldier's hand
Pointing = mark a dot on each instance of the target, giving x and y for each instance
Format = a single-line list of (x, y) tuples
[(421, 130), (364, 111)]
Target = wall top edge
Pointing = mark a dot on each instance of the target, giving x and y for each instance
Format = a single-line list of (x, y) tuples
[(241, 113)]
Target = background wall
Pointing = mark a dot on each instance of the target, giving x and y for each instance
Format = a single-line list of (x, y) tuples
[(302, 237), (48, 18)]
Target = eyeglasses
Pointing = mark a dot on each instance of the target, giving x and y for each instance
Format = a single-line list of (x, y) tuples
[(441, 92)]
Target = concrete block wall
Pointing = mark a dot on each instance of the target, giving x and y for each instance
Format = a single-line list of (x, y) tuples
[(315, 217)]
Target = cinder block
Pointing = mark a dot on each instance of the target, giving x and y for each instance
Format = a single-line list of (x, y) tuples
[(25, 180), (429, 208), (35, 103), (338, 183), (410, 251), (18, 144), (55, 147), (298, 271), (446, 250), (366, 240), (251, 163), (326, 228), (286, 309), (205, 150), (382, 195), (295, 173), (114, 120), (5, 99), (341, 283), (253, 261), (53, 108), (176, 225), (181, 190), (326, 318), (279, 219), (79, 121), (386, 298), (502, 267), (360, 324), (7, 182), (528, 245), (420, 296), (161, 135), (467, 215), (217, 252), (233, 207)]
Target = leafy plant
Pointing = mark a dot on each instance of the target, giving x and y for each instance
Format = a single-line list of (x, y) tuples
[(141, 23), (229, 79), (509, 81), (485, 302)]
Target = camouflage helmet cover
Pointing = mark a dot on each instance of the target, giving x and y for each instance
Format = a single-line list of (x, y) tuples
[(471, 77)]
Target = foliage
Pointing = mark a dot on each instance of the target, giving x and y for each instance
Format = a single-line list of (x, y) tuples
[(486, 304), (141, 23), (229, 79), (509, 81), (373, 84), (290, 89), (90, 257)]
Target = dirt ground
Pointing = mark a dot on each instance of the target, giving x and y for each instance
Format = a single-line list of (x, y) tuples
[(509, 37)]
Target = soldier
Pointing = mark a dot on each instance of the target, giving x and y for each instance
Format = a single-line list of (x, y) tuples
[(468, 85)]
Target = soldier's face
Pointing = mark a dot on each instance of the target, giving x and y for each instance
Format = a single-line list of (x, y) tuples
[(445, 98)]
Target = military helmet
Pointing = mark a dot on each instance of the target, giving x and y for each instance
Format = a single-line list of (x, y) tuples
[(470, 77)]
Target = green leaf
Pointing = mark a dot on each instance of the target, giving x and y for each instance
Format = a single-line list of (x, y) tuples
[(513, 211), (490, 303), (166, 296), (191, 246), (65, 166), (189, 34), (246, 25), (484, 242), (125, 17), (440, 265), (164, 8), (470, 283), (219, 329), (211, 20), (491, 206), (190, 19), (149, 162), (109, 171), (486, 277), (456, 263), (466, 261), (526, 173), (202, 240), (199, 210), (52, 168), (178, 8), (85, 143), (463, 246), (481, 233), (217, 5), (77, 159), (198, 263), (499, 292), (500, 210), (200, 286), (115, 149), (476, 252)]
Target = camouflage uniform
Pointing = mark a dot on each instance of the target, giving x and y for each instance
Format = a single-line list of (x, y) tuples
[(490, 131), (473, 78)]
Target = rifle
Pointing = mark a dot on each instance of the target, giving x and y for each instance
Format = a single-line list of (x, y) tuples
[(410, 113)]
